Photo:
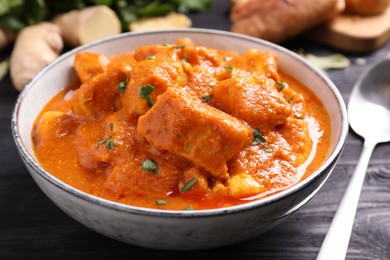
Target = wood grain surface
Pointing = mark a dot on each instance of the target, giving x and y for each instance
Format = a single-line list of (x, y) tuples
[(354, 33), (32, 227)]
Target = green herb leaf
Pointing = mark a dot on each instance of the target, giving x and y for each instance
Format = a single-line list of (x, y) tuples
[(123, 85), (186, 6), (111, 125), (111, 144), (334, 61), (180, 47), (121, 118), (153, 8), (102, 141), (229, 69), (258, 138), (145, 92), (150, 166), (281, 85), (161, 202), (189, 184), (207, 98), (12, 23), (38, 11), (151, 57), (101, 2), (290, 99)]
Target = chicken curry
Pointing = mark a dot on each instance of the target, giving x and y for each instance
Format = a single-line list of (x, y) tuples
[(182, 127)]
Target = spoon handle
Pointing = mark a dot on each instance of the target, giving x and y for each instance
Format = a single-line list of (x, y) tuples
[(337, 239)]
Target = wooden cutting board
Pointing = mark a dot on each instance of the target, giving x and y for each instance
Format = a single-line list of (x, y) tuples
[(353, 33)]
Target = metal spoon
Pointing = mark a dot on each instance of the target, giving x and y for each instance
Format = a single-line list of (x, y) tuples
[(369, 116)]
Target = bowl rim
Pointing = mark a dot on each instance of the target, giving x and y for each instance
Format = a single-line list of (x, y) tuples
[(31, 162)]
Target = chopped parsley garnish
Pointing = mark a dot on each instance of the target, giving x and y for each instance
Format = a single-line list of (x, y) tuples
[(258, 138), (101, 141), (189, 184), (289, 100), (281, 85), (150, 166), (121, 118), (151, 57), (145, 92), (111, 125), (180, 47), (122, 85), (229, 69), (207, 98), (110, 143), (161, 202)]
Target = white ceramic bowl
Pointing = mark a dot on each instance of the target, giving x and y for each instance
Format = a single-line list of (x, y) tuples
[(181, 230)]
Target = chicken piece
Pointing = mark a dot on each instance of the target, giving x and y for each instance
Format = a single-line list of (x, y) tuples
[(201, 56), (244, 185), (99, 94), (276, 20), (296, 133), (87, 65), (91, 146), (157, 75), (272, 170), (259, 63), (183, 125), (184, 42), (255, 100), (146, 52), (52, 125), (201, 184), (128, 179)]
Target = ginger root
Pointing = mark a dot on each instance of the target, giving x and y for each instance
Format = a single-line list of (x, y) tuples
[(79, 27), (171, 20), (366, 7), (276, 21), (35, 47)]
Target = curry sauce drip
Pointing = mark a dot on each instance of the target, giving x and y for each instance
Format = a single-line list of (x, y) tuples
[(182, 127)]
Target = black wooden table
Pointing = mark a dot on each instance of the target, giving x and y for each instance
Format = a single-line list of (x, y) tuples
[(32, 227)]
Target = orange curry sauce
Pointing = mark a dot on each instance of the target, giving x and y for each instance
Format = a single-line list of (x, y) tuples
[(182, 127)]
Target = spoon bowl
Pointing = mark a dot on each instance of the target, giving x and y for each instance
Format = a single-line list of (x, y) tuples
[(369, 105), (369, 116)]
